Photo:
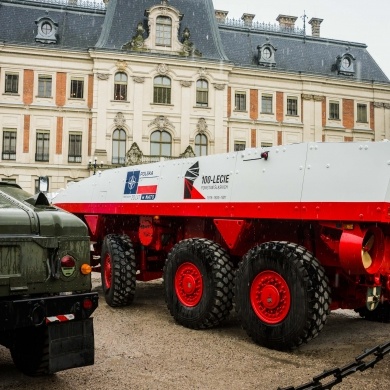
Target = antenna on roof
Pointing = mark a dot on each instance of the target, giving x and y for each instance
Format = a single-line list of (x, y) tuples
[(304, 17)]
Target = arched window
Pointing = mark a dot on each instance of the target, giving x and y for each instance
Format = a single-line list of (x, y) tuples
[(161, 143), (201, 145), (202, 93), (162, 90), (118, 146), (120, 87), (163, 31)]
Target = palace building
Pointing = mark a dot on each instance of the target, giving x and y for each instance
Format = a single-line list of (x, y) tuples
[(86, 86)]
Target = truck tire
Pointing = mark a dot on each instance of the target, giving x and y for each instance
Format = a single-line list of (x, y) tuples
[(282, 295), (118, 270), (380, 314), (30, 351), (198, 283)]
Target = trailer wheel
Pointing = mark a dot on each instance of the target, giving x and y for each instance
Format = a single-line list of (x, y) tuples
[(282, 295), (198, 283), (118, 270), (30, 351), (380, 314)]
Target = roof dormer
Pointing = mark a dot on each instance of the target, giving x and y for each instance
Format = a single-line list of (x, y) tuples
[(345, 64), (47, 30)]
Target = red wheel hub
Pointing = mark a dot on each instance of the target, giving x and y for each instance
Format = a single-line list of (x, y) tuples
[(188, 284), (270, 297), (107, 270)]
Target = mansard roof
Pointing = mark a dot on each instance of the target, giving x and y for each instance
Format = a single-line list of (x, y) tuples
[(198, 15), (79, 26), (298, 53)]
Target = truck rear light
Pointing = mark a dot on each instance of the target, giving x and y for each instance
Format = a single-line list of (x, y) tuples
[(68, 265), (87, 304), (86, 269)]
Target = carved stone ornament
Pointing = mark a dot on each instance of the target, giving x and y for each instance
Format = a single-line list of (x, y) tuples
[(386, 105), (121, 65), (102, 76), (162, 69), (202, 72), (161, 122), (137, 42), (378, 104), (318, 98), (201, 126), (138, 79), (189, 152), (134, 155), (185, 83), (306, 96), (219, 87), (120, 120)]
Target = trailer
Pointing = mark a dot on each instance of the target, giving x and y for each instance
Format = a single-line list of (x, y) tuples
[(285, 234)]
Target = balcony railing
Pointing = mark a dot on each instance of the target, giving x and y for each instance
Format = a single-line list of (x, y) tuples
[(86, 4)]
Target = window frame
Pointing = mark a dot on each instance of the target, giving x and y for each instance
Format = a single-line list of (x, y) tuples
[(359, 113), (292, 106), (332, 114), (201, 145), (118, 146), (240, 100), (202, 93), (75, 147), (270, 104), (41, 78), (12, 89), (162, 91), (161, 143), (79, 90), (163, 31), (239, 146), (42, 156), (11, 152), (120, 87)]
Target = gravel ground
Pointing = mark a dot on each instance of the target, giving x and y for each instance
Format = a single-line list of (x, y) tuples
[(141, 347)]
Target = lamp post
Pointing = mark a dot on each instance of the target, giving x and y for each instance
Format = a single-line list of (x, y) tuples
[(94, 165)]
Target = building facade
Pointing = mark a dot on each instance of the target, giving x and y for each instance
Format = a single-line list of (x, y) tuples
[(86, 86)]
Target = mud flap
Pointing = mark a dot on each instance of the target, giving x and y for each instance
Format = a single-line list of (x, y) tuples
[(71, 344)]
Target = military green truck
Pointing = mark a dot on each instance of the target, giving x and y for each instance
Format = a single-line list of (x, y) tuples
[(45, 284)]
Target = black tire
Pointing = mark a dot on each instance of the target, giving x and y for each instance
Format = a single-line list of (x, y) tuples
[(30, 351), (118, 270), (208, 301), (282, 295), (380, 314)]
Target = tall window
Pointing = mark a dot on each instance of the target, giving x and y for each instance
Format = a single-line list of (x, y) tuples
[(120, 87), (362, 113), (163, 31), (42, 146), (334, 110), (9, 145), (201, 145), (239, 145), (160, 143), (77, 88), (202, 93), (74, 153), (240, 101), (162, 90), (266, 104), (119, 146), (292, 106), (44, 86), (11, 83)]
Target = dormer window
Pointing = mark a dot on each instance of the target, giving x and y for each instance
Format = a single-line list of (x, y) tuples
[(47, 30), (266, 55), (345, 64), (164, 24), (163, 31)]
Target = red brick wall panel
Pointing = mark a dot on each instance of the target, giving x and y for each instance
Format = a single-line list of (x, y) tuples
[(254, 104), (229, 102), (253, 138), (26, 134), (279, 107), (372, 116), (348, 114), (280, 138), (59, 135), (323, 112), (28, 86), (61, 89), (90, 91)]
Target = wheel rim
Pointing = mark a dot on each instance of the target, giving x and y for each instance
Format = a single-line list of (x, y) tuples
[(107, 270), (189, 284), (270, 297)]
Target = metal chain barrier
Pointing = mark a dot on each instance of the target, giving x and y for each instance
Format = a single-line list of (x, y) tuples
[(336, 375)]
